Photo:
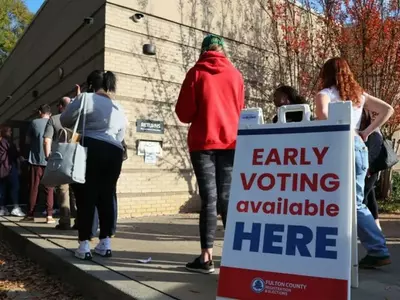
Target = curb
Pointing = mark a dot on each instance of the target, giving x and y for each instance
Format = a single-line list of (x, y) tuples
[(90, 278)]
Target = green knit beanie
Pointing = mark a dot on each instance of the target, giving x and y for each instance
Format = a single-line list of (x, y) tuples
[(211, 40)]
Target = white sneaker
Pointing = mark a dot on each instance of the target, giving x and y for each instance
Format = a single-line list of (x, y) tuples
[(104, 248), (83, 251), (4, 211), (17, 212)]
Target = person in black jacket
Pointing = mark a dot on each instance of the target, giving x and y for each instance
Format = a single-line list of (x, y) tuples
[(374, 145), (286, 95)]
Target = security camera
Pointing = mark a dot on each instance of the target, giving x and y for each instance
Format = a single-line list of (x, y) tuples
[(137, 18), (88, 21)]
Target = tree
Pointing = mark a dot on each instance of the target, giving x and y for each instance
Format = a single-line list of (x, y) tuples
[(14, 19), (300, 38), (365, 32)]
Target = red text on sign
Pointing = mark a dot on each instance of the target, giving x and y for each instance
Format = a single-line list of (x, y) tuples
[(295, 182), (289, 156)]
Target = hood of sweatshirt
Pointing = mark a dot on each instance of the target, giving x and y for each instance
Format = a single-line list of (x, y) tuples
[(213, 62)]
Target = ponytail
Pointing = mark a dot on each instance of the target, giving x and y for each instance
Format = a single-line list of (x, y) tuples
[(109, 82), (102, 80)]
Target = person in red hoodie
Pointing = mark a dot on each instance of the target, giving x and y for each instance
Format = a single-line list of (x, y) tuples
[(210, 100)]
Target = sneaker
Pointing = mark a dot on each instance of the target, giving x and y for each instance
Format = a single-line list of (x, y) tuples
[(4, 211), (28, 219), (50, 220), (104, 248), (198, 266), (17, 212), (83, 251), (370, 262)]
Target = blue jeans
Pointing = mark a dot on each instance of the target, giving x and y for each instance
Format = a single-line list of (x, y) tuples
[(11, 182), (96, 218), (368, 232)]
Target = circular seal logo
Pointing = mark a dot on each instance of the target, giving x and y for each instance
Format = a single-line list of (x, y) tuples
[(258, 285)]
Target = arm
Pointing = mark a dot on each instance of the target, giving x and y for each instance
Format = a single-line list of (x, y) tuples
[(384, 110), (48, 137), (186, 107), (70, 115), (322, 106)]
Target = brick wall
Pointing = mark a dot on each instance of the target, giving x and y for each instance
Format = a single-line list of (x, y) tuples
[(149, 85)]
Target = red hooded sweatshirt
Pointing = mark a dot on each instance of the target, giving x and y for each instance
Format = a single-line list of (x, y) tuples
[(211, 99)]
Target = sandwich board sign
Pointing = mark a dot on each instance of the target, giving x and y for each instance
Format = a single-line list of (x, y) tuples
[(251, 116), (290, 223)]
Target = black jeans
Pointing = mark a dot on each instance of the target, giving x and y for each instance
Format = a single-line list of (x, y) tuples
[(213, 171), (369, 195), (96, 218), (103, 167)]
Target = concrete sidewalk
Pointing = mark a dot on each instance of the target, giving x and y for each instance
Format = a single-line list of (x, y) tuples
[(170, 241)]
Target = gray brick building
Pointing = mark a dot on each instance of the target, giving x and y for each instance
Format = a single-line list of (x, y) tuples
[(68, 39)]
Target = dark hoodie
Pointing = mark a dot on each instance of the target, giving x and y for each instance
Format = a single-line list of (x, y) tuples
[(211, 99)]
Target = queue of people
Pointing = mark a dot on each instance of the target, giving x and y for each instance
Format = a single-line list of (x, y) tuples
[(211, 100), (101, 131)]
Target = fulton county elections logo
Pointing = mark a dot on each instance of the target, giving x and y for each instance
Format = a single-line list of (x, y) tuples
[(258, 285)]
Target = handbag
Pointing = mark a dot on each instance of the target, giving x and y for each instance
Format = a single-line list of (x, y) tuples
[(67, 161), (387, 157)]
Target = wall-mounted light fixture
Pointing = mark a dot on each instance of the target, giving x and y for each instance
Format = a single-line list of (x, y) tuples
[(60, 73), (88, 21), (137, 18), (149, 49)]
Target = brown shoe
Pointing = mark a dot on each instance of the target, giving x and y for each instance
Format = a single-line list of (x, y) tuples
[(28, 219), (371, 262)]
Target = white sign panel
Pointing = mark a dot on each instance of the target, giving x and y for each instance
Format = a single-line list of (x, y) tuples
[(289, 227)]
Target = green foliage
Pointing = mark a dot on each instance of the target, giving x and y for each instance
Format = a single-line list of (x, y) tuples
[(392, 204), (14, 18)]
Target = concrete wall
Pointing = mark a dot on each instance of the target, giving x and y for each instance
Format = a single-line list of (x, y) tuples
[(56, 39)]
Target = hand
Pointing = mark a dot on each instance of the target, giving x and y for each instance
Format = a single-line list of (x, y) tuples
[(364, 135), (78, 89)]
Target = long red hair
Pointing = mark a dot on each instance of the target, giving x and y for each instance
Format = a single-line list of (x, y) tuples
[(336, 72)]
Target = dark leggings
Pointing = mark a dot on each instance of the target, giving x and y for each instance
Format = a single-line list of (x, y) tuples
[(213, 171), (369, 195), (103, 167)]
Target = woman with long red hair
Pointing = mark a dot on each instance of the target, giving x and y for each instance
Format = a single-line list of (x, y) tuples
[(338, 84)]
